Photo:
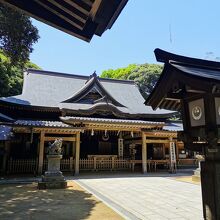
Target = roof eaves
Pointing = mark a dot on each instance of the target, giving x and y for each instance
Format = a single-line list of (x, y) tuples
[(166, 57), (116, 14), (155, 97), (59, 74), (67, 119)]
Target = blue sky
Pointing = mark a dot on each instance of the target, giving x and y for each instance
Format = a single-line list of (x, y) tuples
[(187, 27)]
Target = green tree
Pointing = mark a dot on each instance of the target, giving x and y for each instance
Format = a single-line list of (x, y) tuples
[(145, 75), (11, 77), (120, 73), (17, 35)]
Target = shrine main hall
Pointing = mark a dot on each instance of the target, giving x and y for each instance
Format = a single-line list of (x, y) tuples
[(104, 125)]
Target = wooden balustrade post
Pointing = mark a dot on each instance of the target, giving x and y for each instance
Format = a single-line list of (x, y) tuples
[(113, 163), (94, 160)]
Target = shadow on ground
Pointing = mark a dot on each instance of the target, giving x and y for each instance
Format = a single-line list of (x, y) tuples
[(27, 202)]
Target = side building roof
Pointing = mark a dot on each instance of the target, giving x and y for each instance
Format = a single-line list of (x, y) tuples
[(183, 75), (57, 90)]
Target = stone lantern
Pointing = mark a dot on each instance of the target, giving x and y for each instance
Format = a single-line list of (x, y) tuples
[(192, 87)]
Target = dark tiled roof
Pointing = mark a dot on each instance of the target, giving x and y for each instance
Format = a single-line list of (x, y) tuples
[(180, 73), (41, 123), (50, 89), (110, 121), (198, 71)]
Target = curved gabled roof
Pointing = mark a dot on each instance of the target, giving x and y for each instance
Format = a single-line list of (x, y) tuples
[(51, 89), (93, 83)]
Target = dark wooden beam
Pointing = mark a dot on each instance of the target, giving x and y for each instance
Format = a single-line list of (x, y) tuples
[(83, 9), (169, 104), (52, 7), (72, 11), (192, 90), (95, 7), (80, 18), (38, 12)]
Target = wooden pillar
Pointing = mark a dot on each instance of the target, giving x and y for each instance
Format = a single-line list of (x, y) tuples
[(6, 156), (77, 153), (41, 153), (144, 154)]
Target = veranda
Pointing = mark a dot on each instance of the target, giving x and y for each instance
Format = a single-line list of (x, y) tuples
[(93, 146)]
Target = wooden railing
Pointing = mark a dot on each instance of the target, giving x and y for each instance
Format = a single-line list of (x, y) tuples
[(86, 164), (95, 164), (103, 164)]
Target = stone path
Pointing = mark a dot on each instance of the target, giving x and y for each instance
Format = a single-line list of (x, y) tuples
[(147, 197)]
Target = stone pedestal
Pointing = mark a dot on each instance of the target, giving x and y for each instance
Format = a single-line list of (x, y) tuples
[(53, 177), (210, 179), (197, 172), (196, 177)]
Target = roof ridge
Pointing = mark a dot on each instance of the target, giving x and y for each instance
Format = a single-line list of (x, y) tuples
[(166, 57), (54, 73), (194, 65)]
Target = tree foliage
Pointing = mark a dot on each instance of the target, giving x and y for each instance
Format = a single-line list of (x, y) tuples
[(120, 73), (11, 77), (145, 75), (17, 35)]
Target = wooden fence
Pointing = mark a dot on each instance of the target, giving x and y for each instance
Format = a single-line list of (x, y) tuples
[(104, 164), (67, 165)]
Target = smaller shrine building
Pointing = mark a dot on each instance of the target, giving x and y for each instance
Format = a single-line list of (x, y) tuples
[(104, 125)]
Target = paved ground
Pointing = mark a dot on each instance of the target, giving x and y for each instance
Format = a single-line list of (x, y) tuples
[(147, 197)]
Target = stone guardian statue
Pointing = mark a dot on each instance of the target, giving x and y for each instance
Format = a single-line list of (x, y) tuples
[(53, 177)]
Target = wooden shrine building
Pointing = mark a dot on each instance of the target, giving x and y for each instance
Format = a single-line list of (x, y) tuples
[(103, 123)]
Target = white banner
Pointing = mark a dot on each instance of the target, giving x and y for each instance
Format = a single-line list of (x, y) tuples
[(172, 157), (120, 147)]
